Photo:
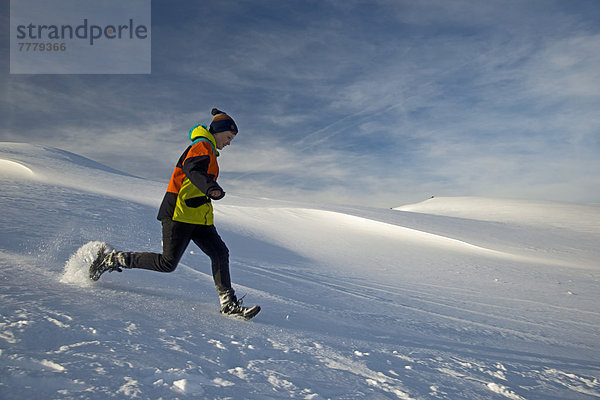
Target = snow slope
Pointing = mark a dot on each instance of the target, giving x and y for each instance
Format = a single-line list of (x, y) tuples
[(452, 298)]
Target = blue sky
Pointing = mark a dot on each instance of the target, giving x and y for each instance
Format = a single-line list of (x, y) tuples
[(379, 103)]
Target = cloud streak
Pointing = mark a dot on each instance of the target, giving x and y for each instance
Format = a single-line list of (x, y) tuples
[(380, 102)]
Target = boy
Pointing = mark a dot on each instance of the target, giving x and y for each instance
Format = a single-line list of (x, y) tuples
[(186, 214)]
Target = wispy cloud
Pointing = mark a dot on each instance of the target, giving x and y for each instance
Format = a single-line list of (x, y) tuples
[(391, 101)]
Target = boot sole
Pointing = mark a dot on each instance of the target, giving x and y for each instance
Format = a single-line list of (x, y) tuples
[(98, 260)]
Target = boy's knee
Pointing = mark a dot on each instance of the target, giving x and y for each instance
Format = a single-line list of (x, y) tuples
[(168, 266), (171, 268)]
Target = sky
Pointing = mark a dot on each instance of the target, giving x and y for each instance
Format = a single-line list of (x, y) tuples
[(377, 103)]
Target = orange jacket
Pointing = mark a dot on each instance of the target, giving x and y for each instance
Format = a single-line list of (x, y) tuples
[(194, 176)]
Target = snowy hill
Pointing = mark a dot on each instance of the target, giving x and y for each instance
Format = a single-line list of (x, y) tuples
[(452, 298)]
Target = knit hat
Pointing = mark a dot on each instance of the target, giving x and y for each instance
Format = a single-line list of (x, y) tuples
[(221, 122)]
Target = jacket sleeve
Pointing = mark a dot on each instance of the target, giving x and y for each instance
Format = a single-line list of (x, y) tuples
[(196, 170)]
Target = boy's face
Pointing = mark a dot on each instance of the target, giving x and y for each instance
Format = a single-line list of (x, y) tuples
[(224, 139)]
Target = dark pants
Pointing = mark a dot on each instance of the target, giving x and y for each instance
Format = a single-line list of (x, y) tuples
[(176, 237)]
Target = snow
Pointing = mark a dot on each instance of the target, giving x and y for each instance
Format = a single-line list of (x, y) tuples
[(451, 298)]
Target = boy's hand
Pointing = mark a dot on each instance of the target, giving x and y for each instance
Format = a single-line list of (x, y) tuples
[(216, 194)]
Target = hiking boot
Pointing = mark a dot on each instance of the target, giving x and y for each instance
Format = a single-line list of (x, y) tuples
[(234, 308), (108, 261)]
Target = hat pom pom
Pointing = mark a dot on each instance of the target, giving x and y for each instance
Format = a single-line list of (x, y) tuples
[(216, 111)]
